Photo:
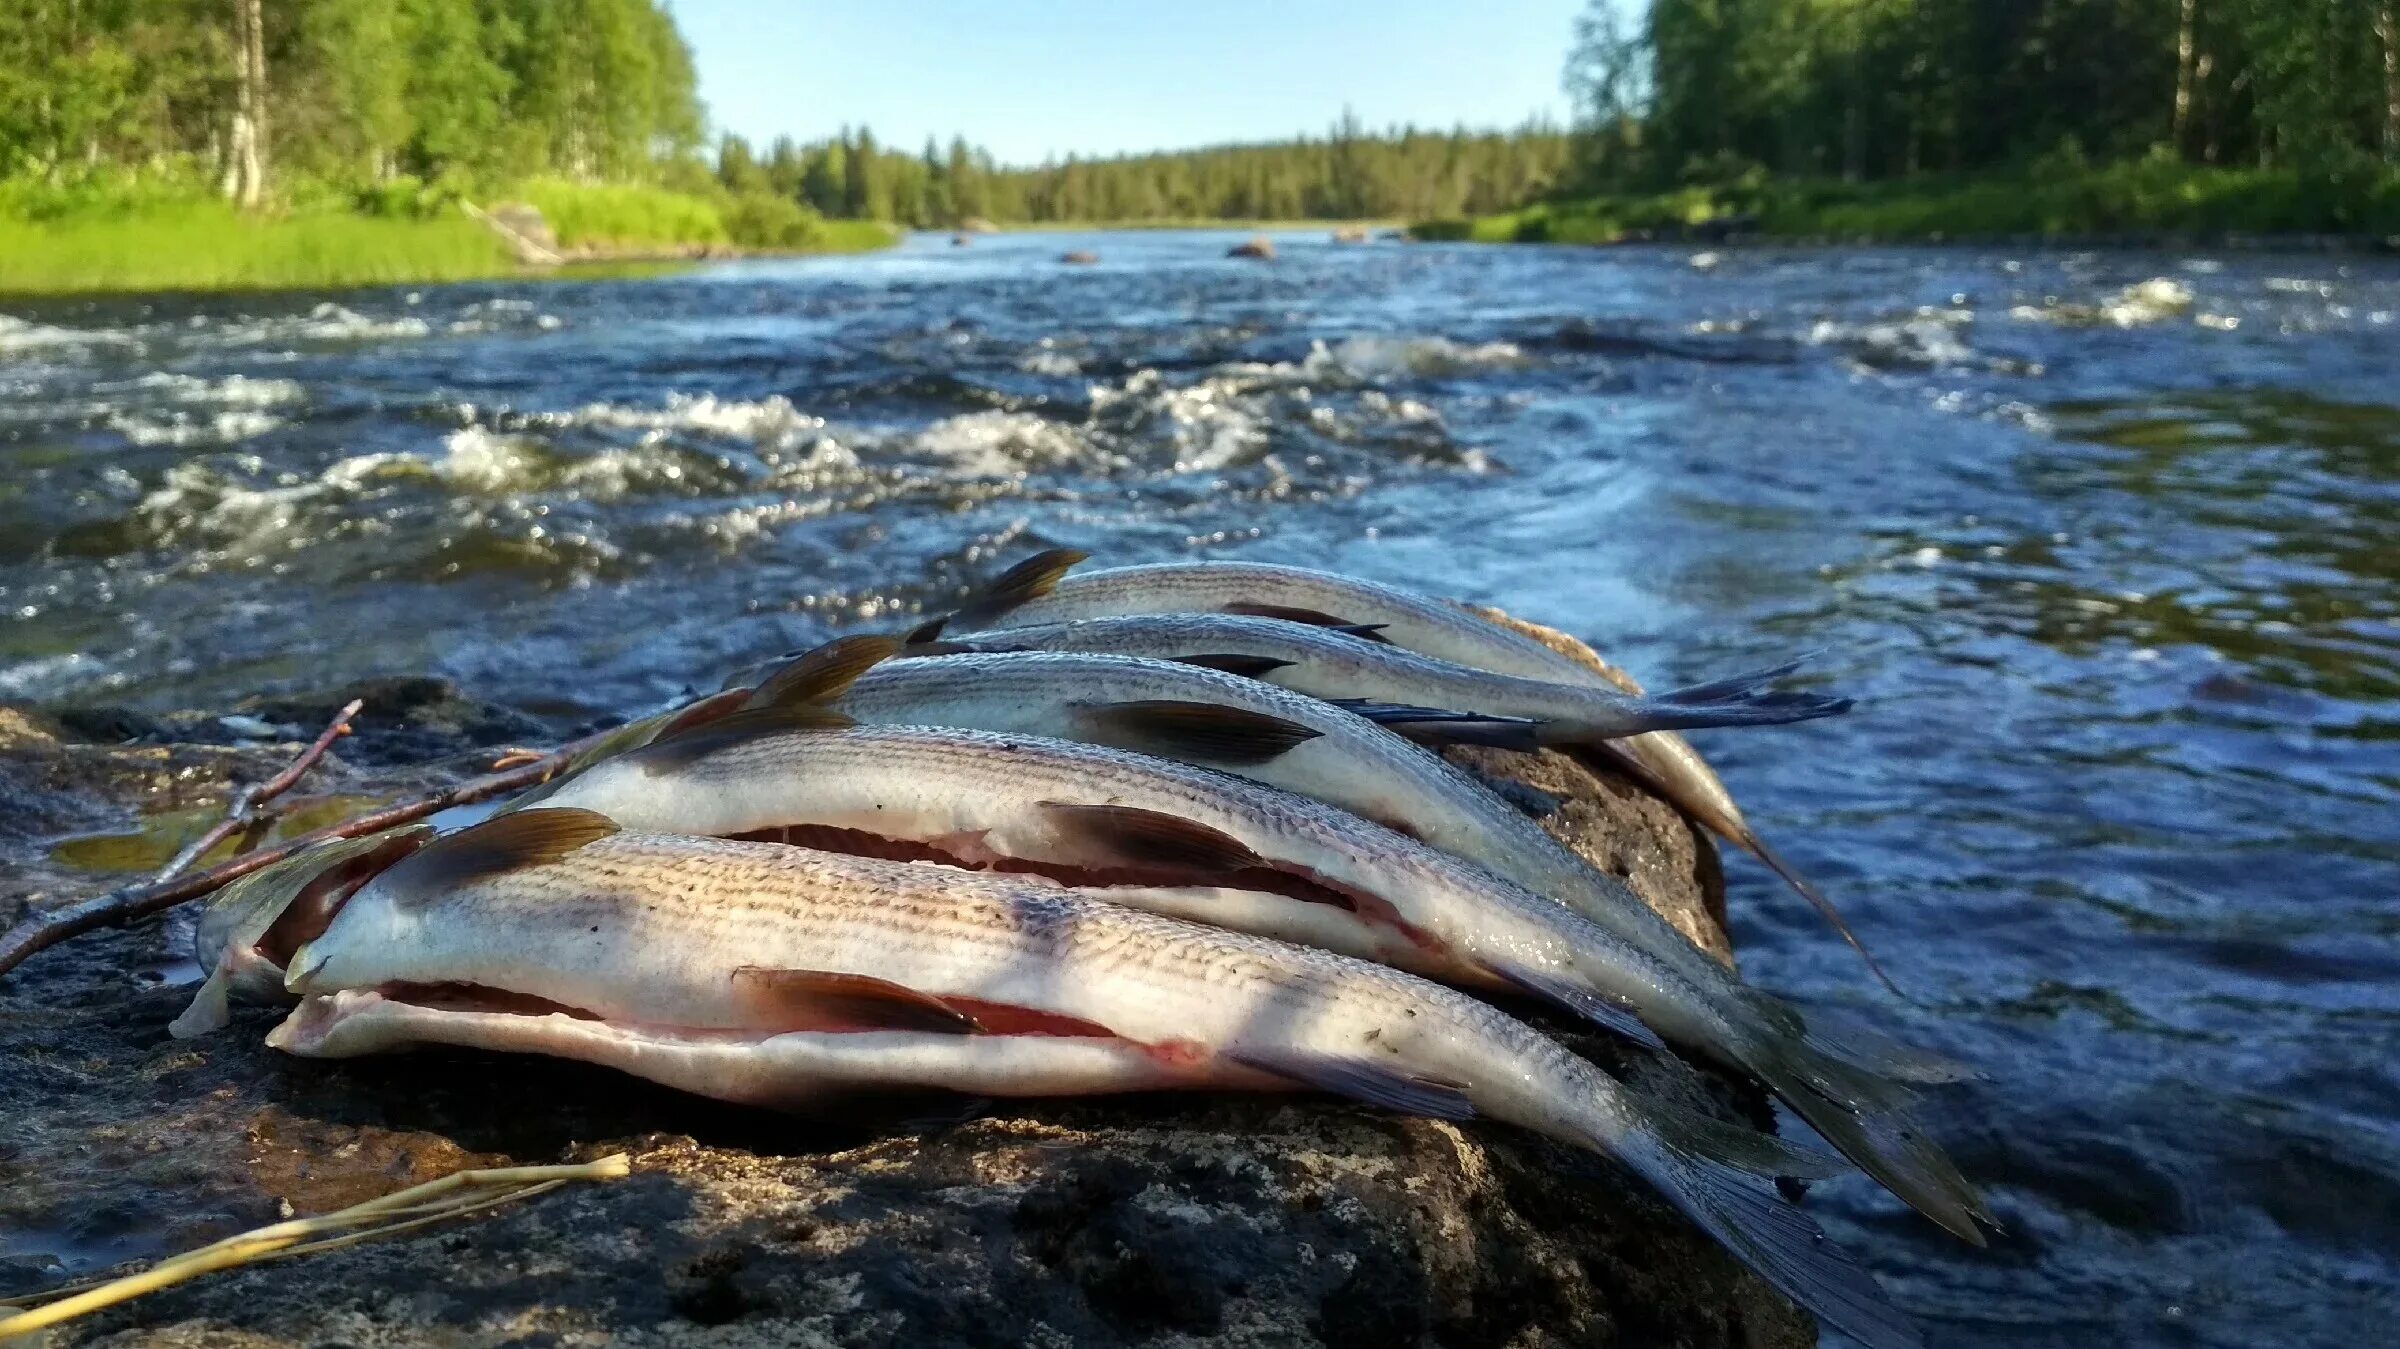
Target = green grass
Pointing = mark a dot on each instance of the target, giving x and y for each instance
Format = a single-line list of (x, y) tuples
[(607, 215), (2149, 198), (205, 246), (851, 236), (1184, 223)]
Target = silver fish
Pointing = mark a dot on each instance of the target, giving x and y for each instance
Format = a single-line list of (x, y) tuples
[(1040, 590), (774, 975), (1195, 844), (1173, 838)]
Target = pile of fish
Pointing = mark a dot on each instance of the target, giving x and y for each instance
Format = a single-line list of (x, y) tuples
[(1169, 826)]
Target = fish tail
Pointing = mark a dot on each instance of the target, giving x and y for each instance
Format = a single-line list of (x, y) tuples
[(1749, 841), (1743, 700), (1862, 1112), (1717, 814), (1781, 1244)]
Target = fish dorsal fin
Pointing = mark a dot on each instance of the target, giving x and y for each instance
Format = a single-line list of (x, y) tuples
[(977, 646), (1132, 837), (826, 673), (1020, 585), (1315, 618), (504, 843), (1365, 1080), (1235, 663), (1365, 632), (668, 753), (715, 707), (784, 1001), (1178, 729)]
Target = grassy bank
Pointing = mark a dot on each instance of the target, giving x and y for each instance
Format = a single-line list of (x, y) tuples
[(208, 247), (1189, 223), (2144, 199), (55, 241)]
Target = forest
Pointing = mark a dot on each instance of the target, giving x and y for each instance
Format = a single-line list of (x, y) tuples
[(1867, 89), (348, 93), (1919, 117), (1350, 173), (133, 133)]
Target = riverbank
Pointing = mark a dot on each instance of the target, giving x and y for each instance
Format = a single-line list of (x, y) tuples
[(2144, 202), (1192, 223), (202, 245)]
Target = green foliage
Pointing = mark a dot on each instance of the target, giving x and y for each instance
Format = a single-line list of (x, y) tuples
[(2152, 196), (1350, 174), (1867, 90), (205, 245), (623, 215), (357, 91)]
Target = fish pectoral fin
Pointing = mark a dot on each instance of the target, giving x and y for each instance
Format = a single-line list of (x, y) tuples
[(1361, 1079), (670, 752), (211, 1009), (804, 1000), (1551, 987), (1315, 618), (1178, 729), (1020, 585), (1129, 836), (1234, 663), (1434, 725), (822, 675), (504, 843)]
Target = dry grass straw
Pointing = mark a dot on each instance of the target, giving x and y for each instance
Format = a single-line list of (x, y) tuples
[(452, 1196)]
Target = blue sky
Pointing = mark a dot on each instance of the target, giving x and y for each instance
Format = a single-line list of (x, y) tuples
[(1039, 77)]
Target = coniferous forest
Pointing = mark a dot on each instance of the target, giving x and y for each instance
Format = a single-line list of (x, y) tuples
[(1837, 117), (1868, 89)]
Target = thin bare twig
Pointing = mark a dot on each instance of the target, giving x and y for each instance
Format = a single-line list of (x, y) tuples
[(123, 905), (408, 1209), (243, 815)]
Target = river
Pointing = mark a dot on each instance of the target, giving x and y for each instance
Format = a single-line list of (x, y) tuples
[(2104, 543)]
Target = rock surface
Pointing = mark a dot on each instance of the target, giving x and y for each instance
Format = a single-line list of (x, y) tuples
[(1168, 1220)]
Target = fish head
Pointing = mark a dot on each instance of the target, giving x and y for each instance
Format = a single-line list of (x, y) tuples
[(253, 925)]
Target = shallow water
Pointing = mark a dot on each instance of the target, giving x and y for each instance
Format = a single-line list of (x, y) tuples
[(2113, 573)]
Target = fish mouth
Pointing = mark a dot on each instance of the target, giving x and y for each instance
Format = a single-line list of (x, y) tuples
[(341, 1023)]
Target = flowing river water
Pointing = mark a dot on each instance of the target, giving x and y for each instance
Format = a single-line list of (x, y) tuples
[(2105, 543)]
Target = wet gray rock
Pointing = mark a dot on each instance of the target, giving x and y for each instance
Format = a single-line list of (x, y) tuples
[(1162, 1219)]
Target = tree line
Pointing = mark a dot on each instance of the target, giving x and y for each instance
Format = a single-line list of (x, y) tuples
[(241, 92), (1696, 90), (1350, 173)]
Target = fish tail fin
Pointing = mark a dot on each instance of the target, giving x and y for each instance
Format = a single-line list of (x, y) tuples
[(1743, 700), (1865, 1115), (1843, 1040), (1782, 1245), (1749, 841), (1721, 817), (1707, 1169)]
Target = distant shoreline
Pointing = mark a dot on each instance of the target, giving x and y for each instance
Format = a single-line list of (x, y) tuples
[(2143, 204), (203, 247)]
